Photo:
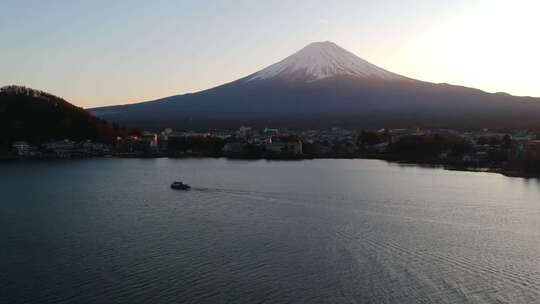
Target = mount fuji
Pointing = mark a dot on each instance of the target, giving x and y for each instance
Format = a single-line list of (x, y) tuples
[(325, 85)]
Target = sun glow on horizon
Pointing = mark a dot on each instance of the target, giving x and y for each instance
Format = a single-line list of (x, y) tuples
[(492, 46)]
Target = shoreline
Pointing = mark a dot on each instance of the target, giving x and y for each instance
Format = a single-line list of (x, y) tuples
[(386, 158)]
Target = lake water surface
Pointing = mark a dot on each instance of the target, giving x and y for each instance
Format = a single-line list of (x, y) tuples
[(314, 231)]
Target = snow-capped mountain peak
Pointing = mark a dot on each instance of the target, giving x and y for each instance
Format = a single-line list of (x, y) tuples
[(321, 60)]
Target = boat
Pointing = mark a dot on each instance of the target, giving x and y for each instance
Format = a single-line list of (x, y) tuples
[(180, 186)]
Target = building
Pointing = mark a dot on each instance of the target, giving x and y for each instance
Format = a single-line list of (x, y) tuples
[(270, 132), (94, 148), (163, 142), (62, 148), (219, 133), (22, 148), (151, 140), (65, 144), (135, 145), (531, 150), (243, 132)]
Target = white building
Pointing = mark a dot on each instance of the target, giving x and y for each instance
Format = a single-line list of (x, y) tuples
[(23, 148)]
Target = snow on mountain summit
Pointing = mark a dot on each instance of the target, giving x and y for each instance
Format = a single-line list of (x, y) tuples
[(321, 60)]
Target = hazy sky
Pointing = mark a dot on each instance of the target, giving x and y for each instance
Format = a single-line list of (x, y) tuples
[(98, 52)]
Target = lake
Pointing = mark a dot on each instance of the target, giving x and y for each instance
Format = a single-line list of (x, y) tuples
[(312, 231)]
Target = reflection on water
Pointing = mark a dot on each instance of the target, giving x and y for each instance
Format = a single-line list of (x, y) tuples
[(314, 231)]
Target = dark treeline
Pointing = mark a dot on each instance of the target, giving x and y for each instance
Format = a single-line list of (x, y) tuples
[(196, 144), (37, 117)]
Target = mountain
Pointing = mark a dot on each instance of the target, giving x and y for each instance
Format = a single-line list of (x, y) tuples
[(325, 85), (36, 116)]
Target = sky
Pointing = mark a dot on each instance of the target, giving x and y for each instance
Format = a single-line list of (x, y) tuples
[(95, 52)]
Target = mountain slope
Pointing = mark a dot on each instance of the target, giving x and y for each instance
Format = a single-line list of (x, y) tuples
[(36, 116), (324, 85)]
